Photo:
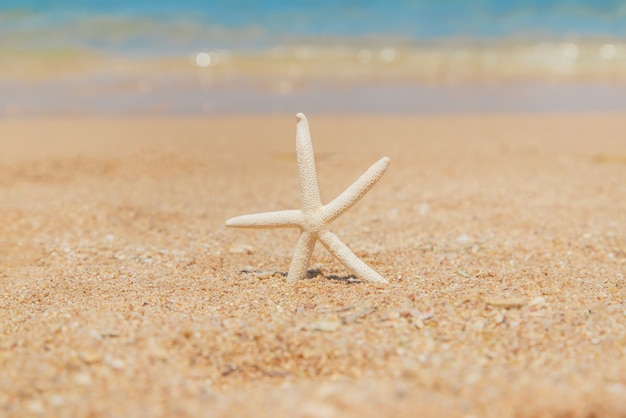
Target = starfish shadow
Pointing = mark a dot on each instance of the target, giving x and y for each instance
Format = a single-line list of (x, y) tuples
[(314, 273), (349, 279), (310, 274)]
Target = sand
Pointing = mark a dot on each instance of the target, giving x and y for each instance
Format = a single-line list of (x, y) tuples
[(503, 237)]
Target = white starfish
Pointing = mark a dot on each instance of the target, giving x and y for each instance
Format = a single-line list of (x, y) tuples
[(314, 218)]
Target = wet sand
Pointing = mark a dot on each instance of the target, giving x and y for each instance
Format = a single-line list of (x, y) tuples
[(503, 237)]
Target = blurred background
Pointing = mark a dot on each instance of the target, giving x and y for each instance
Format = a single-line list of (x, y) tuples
[(193, 57)]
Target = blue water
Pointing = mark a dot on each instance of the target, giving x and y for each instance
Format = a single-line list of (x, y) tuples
[(470, 43), (165, 26)]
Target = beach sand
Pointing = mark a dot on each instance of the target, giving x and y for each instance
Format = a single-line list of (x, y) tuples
[(123, 294)]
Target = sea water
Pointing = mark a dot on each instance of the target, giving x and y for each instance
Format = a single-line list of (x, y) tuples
[(257, 56)]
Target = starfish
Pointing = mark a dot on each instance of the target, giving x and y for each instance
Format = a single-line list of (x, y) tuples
[(314, 218)]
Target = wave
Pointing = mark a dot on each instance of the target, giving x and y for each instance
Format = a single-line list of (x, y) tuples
[(350, 60)]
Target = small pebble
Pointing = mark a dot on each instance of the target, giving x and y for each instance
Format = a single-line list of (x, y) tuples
[(537, 301), (505, 303), (91, 356), (83, 379), (158, 353), (422, 315), (241, 249), (327, 326), (390, 316), (264, 274), (463, 239), (57, 400), (35, 407), (116, 363)]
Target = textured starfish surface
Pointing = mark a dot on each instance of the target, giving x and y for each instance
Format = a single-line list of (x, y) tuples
[(314, 217)]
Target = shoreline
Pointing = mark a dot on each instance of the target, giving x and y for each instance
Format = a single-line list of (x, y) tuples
[(535, 76)]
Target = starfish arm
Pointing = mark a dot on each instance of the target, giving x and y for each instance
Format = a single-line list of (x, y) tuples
[(301, 256), (278, 219), (348, 258), (356, 191), (309, 188)]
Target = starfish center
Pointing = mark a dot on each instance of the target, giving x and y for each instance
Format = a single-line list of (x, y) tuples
[(313, 221)]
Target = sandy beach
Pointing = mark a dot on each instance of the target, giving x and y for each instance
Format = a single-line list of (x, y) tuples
[(503, 237)]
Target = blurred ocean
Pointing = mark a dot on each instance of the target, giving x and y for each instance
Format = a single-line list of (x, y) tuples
[(190, 57)]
